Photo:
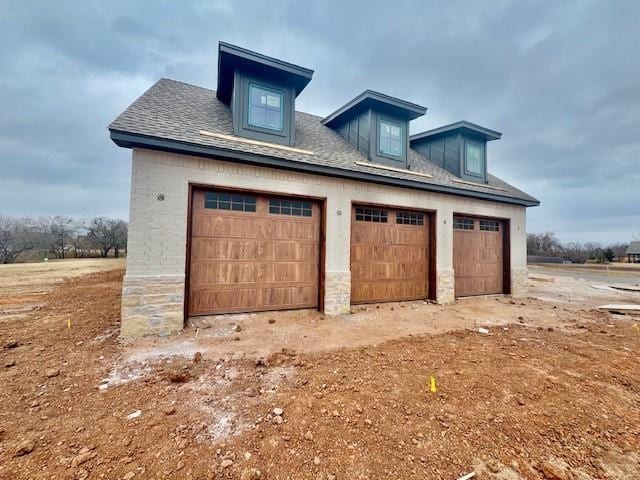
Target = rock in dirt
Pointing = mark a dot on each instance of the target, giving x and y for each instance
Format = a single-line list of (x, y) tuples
[(237, 328), (250, 474), (24, 448), (278, 411), (316, 460), (135, 414), (82, 458), (197, 358), (553, 472), (11, 344), (272, 320), (129, 475), (169, 410), (52, 372), (226, 463), (10, 363)]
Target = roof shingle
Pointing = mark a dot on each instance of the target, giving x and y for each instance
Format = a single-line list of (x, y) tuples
[(177, 111)]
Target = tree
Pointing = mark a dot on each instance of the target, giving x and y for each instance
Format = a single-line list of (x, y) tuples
[(17, 235), (56, 233), (545, 244), (108, 234)]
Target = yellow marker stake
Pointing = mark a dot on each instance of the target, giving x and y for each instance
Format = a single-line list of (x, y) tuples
[(68, 323), (432, 384)]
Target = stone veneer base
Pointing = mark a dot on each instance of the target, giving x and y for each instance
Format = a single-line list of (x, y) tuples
[(152, 305)]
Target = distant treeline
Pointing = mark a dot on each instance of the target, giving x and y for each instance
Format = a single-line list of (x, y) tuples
[(547, 245), (28, 239)]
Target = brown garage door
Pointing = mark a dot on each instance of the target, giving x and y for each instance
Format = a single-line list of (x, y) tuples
[(478, 258), (389, 254), (252, 252)]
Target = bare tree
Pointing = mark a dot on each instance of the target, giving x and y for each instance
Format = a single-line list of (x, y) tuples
[(56, 232), (17, 235), (108, 234), (546, 244)]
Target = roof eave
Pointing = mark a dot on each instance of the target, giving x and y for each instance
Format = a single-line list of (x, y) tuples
[(134, 140), (300, 76), (487, 133), (409, 109)]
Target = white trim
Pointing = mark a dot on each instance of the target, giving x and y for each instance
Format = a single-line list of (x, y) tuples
[(392, 169), (233, 138)]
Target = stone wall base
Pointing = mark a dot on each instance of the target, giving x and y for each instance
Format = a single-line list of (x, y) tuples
[(152, 305), (519, 282), (337, 288), (445, 291)]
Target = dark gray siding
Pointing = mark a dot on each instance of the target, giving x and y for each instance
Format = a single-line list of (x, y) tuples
[(448, 152), (356, 132), (452, 154)]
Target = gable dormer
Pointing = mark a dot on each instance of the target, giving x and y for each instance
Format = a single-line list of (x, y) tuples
[(377, 125), (261, 92), (460, 148)]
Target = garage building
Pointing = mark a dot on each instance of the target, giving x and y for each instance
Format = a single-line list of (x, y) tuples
[(240, 203)]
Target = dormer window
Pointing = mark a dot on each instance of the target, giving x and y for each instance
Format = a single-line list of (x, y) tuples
[(460, 148), (377, 125), (266, 107), (261, 93), (473, 159), (390, 139)]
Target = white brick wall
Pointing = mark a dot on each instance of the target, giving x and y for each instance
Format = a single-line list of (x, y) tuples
[(157, 230)]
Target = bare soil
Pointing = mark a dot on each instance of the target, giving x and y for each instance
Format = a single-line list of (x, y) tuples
[(552, 391)]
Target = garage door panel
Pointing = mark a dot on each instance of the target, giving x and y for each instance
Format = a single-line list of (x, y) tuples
[(389, 260), (227, 226), (387, 270), (292, 251), (205, 301), (281, 228), (390, 290), (478, 258), (382, 253), (224, 273), (252, 260), (228, 249), (372, 235)]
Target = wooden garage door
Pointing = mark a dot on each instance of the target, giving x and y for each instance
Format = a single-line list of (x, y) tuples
[(478, 258), (251, 253), (389, 255)]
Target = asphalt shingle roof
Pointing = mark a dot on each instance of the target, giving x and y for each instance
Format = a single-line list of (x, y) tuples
[(173, 110)]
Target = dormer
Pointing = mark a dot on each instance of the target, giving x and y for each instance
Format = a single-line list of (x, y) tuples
[(377, 125), (460, 148), (261, 92)]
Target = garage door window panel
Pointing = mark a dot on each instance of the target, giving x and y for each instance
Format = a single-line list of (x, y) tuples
[(371, 215), (410, 218), (290, 207), (228, 201), (489, 226), (463, 224)]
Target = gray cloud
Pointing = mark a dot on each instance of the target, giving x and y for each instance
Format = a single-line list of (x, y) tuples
[(559, 79)]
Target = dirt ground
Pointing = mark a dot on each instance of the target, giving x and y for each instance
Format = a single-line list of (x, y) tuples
[(552, 391)]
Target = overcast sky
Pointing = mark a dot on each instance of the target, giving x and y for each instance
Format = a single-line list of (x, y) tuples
[(560, 80)]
